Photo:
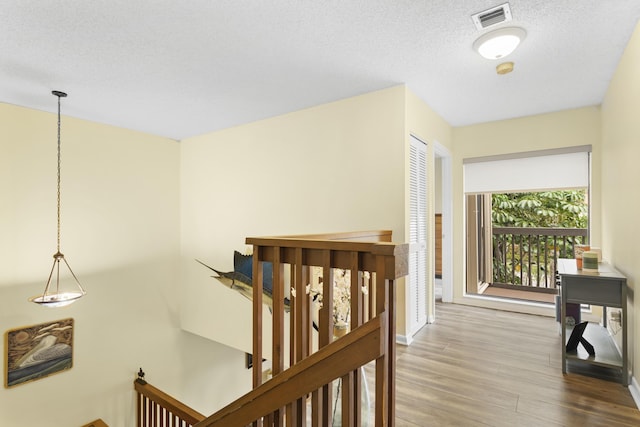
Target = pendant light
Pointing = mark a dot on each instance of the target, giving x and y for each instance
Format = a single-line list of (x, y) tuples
[(53, 296)]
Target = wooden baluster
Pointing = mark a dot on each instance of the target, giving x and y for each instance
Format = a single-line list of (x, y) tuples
[(371, 308), (317, 415), (505, 249), (382, 363), (549, 282), (292, 408), (520, 260), (257, 320), (529, 260), (316, 409), (513, 258), (300, 329), (546, 263), (326, 329), (538, 284), (278, 324), (154, 414), (391, 350), (353, 387), (149, 413), (144, 412), (347, 399)]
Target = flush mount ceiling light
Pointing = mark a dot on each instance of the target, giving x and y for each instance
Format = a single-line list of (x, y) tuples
[(499, 43), (53, 296)]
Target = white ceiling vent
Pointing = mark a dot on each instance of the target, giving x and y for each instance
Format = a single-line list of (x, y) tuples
[(490, 17)]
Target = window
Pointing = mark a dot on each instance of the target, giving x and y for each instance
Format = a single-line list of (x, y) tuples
[(519, 221)]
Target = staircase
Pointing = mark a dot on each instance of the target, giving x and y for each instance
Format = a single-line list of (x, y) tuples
[(300, 392)]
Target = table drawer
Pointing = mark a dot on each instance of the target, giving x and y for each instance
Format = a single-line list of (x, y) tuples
[(605, 291)]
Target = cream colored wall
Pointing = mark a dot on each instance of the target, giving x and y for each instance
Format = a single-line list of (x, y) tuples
[(426, 125), (620, 202), (120, 234), (334, 167), (547, 131)]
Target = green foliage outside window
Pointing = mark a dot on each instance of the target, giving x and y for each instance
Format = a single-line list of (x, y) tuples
[(530, 259), (564, 209)]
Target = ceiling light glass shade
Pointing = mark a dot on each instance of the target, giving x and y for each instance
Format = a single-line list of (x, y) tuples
[(55, 297), (499, 43), (57, 300)]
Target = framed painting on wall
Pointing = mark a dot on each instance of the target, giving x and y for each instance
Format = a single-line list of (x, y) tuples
[(37, 351)]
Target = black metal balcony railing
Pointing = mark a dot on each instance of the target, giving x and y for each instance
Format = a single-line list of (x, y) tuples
[(528, 256)]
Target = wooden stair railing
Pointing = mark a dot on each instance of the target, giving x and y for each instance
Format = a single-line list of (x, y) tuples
[(315, 359), (374, 264), (334, 361), (158, 409)]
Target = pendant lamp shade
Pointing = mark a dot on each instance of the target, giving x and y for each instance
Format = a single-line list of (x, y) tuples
[(53, 295)]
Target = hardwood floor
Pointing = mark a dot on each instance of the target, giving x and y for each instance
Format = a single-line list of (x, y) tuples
[(480, 367)]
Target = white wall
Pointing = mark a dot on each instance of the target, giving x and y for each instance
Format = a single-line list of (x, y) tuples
[(120, 233), (620, 178)]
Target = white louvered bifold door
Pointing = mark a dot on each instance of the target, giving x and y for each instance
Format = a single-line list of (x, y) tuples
[(417, 289)]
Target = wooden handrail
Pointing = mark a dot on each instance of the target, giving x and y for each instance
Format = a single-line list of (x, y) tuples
[(354, 236), (337, 359), (313, 252), (156, 406)]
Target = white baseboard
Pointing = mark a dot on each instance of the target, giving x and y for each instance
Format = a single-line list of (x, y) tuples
[(404, 340), (634, 388)]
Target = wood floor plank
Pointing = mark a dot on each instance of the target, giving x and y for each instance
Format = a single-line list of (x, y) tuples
[(482, 367)]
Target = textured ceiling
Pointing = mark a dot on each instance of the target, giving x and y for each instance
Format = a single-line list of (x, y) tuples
[(184, 68)]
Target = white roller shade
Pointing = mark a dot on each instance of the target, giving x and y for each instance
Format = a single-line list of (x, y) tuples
[(532, 171)]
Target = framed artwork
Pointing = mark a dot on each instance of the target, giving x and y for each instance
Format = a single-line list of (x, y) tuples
[(37, 351)]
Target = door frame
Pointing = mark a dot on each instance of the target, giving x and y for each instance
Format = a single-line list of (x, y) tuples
[(443, 153)]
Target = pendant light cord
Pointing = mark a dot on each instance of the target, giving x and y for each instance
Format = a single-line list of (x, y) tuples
[(58, 95)]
